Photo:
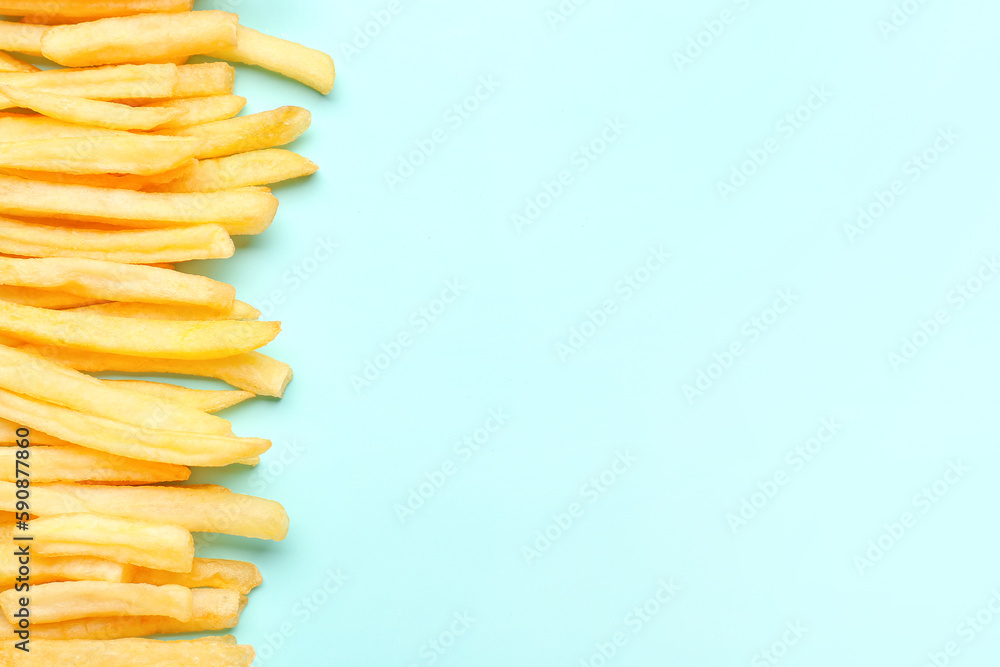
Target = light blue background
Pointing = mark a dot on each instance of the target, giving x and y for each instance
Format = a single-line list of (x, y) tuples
[(350, 457)]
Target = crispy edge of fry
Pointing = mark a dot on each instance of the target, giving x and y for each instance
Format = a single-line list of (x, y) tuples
[(314, 68)]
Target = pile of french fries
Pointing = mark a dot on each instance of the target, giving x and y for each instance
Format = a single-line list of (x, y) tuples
[(116, 162)]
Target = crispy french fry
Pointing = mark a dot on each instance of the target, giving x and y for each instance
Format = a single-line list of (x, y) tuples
[(113, 281), (206, 400), (199, 110), (184, 448), (213, 610), (148, 311), (116, 180), (205, 572), (9, 434), (202, 80), (140, 38), (26, 39), (154, 545), (145, 246), (262, 167), (27, 127), (128, 653), (109, 115), (90, 9), (101, 83), (208, 509), (78, 464), (10, 64), (46, 570), (40, 298), (239, 211), (121, 154), (311, 67), (248, 133), (254, 372), (67, 600)]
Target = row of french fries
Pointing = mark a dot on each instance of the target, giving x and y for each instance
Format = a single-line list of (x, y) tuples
[(116, 163)]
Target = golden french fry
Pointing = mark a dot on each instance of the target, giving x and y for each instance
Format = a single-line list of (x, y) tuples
[(40, 298), (90, 9), (115, 154), (141, 246), (101, 83), (67, 600), (199, 110), (26, 39), (117, 180), (205, 572), (140, 38), (202, 80), (242, 211), (207, 509), (10, 64), (78, 464), (149, 311), (46, 570), (262, 167), (247, 133), (153, 545), (186, 448), (9, 433), (26, 127), (206, 400), (109, 115), (128, 653), (311, 67)]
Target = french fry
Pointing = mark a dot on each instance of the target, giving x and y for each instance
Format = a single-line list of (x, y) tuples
[(128, 653), (45, 380), (46, 570), (202, 80), (10, 64), (101, 83), (208, 509), (262, 167), (206, 400), (205, 572), (153, 545), (78, 464), (26, 127), (311, 67), (116, 180), (90, 9), (184, 448), (121, 154), (26, 39), (239, 211), (248, 133), (109, 115), (167, 339), (199, 110), (40, 298), (67, 600), (148, 311), (113, 281), (254, 372), (145, 246), (140, 38), (8, 434), (213, 610)]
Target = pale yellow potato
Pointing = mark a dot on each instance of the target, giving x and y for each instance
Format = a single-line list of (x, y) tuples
[(79, 464), (129, 653), (243, 211), (254, 372), (140, 38), (46, 570), (36, 377), (108, 115), (10, 64), (40, 298), (142, 543), (114, 281), (206, 400), (20, 37), (140, 246), (33, 127), (247, 133), (311, 67), (202, 80), (89, 9), (116, 180), (199, 110), (9, 434), (262, 167), (186, 448), (121, 154), (205, 573), (67, 600), (213, 610), (151, 311), (208, 508), (101, 83)]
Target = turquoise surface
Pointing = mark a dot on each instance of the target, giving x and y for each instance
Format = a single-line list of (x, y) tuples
[(632, 333)]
